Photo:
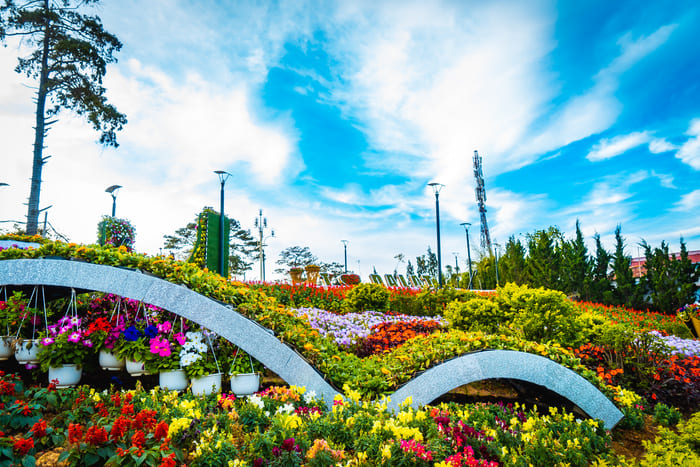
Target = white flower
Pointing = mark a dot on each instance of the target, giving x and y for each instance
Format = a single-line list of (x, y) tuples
[(286, 408), (256, 401), (309, 396)]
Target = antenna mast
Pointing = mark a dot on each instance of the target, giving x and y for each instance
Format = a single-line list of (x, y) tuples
[(481, 200)]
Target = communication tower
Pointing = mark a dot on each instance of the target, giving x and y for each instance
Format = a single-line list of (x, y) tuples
[(481, 200)]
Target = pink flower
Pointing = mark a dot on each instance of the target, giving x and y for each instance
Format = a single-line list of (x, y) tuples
[(47, 341), (160, 346), (87, 343), (74, 337), (180, 338), (165, 327)]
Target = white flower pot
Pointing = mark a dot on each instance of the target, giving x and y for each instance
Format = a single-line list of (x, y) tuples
[(173, 380), (6, 350), (136, 368), (109, 361), (243, 384), (207, 384), (29, 355), (67, 375)]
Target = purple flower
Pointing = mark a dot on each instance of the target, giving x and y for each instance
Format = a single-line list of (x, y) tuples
[(150, 331), (132, 334), (74, 337)]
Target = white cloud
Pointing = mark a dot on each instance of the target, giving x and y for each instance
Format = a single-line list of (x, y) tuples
[(608, 148), (689, 152), (688, 202), (659, 145)]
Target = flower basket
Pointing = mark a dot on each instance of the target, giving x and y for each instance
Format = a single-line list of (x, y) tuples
[(297, 275), (173, 380), (312, 272), (136, 368), (350, 279), (6, 350), (110, 362), (66, 376), (244, 384), (27, 352), (207, 384)]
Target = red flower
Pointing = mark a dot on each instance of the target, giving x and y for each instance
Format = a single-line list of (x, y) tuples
[(138, 439), (96, 435), (168, 461), (119, 427), (39, 429), (161, 430), (75, 433), (22, 446)]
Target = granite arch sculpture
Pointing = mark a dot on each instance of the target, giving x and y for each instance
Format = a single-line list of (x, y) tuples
[(262, 345)]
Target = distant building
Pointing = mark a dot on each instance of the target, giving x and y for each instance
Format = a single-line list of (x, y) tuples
[(638, 268)]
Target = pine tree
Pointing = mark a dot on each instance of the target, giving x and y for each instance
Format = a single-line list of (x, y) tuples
[(625, 292), (576, 266), (601, 287), (544, 260), (687, 275), (69, 57)]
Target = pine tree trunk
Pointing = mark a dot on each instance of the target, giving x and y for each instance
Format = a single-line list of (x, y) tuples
[(39, 131)]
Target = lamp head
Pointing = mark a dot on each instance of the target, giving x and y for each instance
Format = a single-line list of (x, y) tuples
[(436, 187), (112, 189), (466, 224), (223, 175)]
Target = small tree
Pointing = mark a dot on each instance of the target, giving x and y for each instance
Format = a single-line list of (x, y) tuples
[(294, 257), (625, 292)]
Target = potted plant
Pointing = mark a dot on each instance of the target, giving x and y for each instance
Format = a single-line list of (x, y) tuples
[(297, 275), (29, 328), (312, 272), (350, 279), (134, 346), (63, 351), (245, 373), (200, 362), (104, 333), (10, 310)]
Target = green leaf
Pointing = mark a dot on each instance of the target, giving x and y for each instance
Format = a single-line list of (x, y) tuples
[(29, 461)]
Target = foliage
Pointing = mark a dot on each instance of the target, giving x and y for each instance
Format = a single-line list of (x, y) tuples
[(476, 314), (671, 448), (364, 297), (116, 232), (68, 53), (538, 314), (666, 416), (64, 343)]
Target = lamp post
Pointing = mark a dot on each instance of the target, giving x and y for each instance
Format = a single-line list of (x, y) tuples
[(436, 189), (469, 254), (345, 254), (223, 176), (113, 190), (261, 224)]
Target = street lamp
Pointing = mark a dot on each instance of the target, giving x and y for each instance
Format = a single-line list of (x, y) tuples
[(261, 223), (345, 251), (436, 189), (4, 184), (113, 190), (223, 176), (469, 254)]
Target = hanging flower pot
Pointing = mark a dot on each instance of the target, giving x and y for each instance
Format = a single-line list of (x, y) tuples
[(27, 352), (312, 272), (243, 384), (207, 384), (66, 376), (173, 380), (6, 349), (297, 275), (136, 368), (110, 362)]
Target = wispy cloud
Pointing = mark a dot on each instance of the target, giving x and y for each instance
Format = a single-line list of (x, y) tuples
[(608, 148), (688, 202), (660, 145), (689, 152)]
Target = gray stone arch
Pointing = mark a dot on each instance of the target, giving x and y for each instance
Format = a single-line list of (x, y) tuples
[(510, 364), (247, 334)]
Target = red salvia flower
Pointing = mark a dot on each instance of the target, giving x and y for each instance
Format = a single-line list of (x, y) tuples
[(75, 433), (22, 446), (39, 429), (96, 435)]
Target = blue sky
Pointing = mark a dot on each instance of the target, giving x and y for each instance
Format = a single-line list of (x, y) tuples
[(333, 117)]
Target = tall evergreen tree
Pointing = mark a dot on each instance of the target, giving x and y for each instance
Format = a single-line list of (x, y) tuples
[(625, 292), (687, 274), (69, 53), (658, 281), (544, 260), (601, 287), (512, 266), (576, 266)]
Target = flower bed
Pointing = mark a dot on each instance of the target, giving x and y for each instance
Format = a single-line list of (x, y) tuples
[(280, 427)]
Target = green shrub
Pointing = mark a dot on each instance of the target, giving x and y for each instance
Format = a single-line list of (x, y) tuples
[(365, 297), (539, 314), (675, 449), (476, 314), (666, 416)]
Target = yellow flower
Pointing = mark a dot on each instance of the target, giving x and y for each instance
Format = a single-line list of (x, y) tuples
[(386, 451)]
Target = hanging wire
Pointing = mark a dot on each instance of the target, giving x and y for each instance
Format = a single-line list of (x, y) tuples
[(218, 369), (250, 360)]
